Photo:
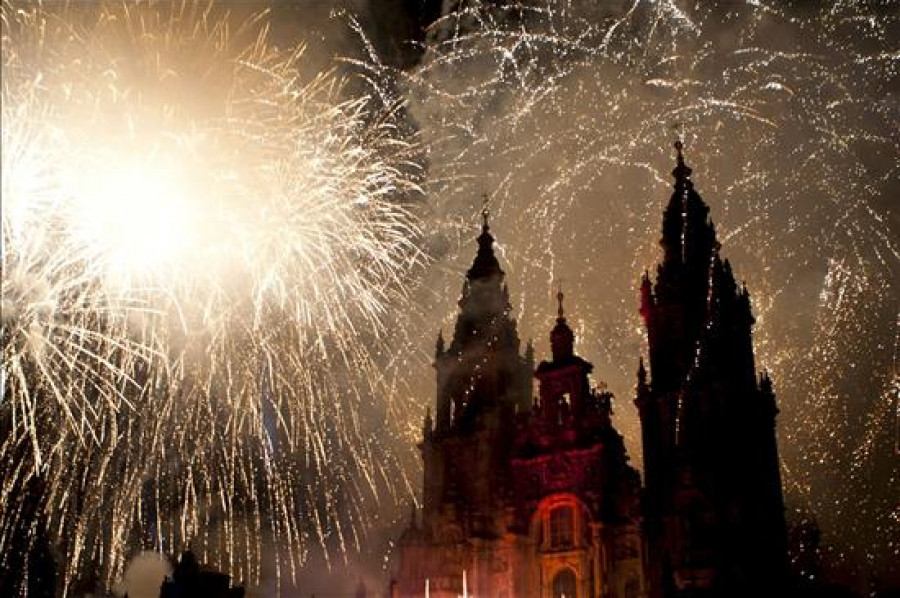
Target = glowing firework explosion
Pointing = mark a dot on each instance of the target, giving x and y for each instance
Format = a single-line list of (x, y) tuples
[(564, 111), (199, 248)]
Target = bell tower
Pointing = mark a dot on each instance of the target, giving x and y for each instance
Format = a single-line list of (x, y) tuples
[(564, 384), (482, 383), (482, 368), (713, 507)]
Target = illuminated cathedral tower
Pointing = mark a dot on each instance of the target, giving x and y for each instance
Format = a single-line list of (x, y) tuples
[(528, 498), (482, 382), (713, 508)]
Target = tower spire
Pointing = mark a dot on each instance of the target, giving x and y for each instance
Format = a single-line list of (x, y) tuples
[(682, 171), (485, 264), (561, 314), (439, 344), (562, 339)]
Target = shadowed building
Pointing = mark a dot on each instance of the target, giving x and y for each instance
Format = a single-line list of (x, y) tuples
[(534, 498), (713, 509)]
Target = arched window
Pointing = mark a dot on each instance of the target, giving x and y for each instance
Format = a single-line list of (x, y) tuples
[(565, 584), (562, 527)]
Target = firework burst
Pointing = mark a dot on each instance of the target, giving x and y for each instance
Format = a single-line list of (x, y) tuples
[(191, 233)]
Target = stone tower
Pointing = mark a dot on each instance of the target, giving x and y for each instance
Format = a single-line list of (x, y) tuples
[(523, 497), (482, 382), (713, 508)]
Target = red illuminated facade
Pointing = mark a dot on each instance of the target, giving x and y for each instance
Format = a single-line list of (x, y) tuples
[(527, 497), (534, 498)]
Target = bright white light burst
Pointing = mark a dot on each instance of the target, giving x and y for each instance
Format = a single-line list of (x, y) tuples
[(198, 244)]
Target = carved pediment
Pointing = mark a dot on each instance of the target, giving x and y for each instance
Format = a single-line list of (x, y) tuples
[(570, 471)]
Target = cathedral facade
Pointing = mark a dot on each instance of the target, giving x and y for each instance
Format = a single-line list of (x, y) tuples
[(533, 497)]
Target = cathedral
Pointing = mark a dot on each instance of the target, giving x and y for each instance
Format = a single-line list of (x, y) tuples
[(533, 496)]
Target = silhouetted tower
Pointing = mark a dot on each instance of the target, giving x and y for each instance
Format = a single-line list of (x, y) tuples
[(714, 514), (482, 363), (482, 381)]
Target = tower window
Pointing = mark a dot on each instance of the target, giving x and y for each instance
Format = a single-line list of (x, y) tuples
[(565, 584), (562, 527)]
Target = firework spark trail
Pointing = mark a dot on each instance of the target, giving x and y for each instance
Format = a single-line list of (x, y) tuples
[(199, 252), (563, 111)]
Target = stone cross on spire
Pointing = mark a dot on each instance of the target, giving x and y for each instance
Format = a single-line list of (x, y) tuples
[(682, 172), (559, 297), (485, 264)]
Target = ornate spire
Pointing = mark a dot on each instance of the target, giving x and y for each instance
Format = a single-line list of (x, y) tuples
[(769, 405), (642, 389), (485, 264), (765, 382), (562, 339), (529, 351), (439, 345), (744, 310), (682, 172), (646, 296), (561, 314), (673, 223)]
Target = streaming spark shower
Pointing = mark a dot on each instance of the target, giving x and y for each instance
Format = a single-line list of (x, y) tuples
[(200, 252)]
